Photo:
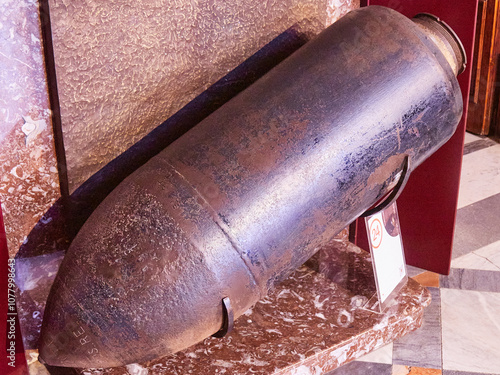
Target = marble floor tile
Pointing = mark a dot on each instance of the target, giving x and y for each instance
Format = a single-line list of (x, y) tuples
[(470, 279), (478, 145), (422, 348), (411, 370), (486, 258), (480, 177), (363, 368), (477, 225), (469, 137), (400, 370), (491, 252), (428, 279), (381, 355), (424, 371), (471, 331), (447, 372), (414, 271)]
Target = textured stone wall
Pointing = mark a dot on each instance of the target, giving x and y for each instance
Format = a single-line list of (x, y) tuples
[(123, 67), (29, 181)]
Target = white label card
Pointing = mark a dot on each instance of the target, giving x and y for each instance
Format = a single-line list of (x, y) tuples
[(386, 247)]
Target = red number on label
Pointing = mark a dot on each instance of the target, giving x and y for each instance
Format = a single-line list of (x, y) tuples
[(376, 233)]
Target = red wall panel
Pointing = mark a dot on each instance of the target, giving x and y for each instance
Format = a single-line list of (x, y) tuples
[(428, 205)]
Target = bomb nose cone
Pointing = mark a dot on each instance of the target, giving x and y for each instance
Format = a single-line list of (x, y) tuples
[(134, 286), (67, 341), (82, 325)]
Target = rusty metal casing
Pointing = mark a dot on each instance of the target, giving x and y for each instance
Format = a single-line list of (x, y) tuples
[(250, 193)]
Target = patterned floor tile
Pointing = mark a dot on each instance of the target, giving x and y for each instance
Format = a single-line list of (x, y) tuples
[(477, 225), (447, 372), (478, 145), (422, 347), (405, 370), (471, 331), (400, 370), (381, 355), (428, 279), (480, 177), (491, 252), (485, 258), (414, 271), (424, 371), (363, 368), (470, 279), (469, 137)]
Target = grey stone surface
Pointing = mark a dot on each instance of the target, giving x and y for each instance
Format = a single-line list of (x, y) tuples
[(414, 271), (478, 145), (477, 225), (448, 372), (363, 368), (468, 279), (422, 348)]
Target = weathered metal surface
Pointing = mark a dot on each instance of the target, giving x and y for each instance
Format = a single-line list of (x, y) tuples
[(244, 198), (445, 38)]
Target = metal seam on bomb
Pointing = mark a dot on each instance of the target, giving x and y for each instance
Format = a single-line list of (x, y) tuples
[(215, 217)]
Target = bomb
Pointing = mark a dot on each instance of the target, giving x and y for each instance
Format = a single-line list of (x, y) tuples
[(204, 229)]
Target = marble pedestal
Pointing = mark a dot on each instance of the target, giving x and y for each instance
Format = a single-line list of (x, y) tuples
[(323, 316)]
